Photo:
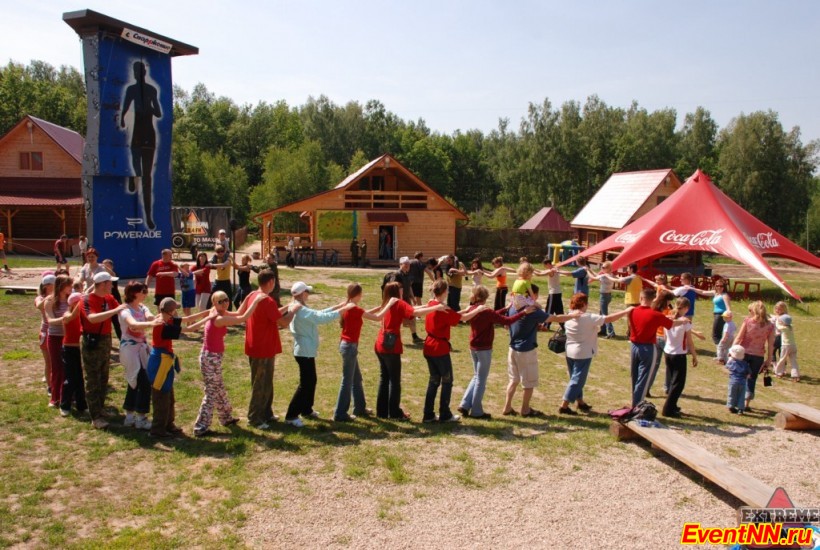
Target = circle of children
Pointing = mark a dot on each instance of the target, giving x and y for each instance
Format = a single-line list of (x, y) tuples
[(78, 315)]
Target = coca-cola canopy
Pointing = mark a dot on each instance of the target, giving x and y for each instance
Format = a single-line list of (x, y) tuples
[(699, 216)]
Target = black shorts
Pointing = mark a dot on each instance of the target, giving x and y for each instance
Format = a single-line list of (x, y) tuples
[(160, 297), (418, 290)]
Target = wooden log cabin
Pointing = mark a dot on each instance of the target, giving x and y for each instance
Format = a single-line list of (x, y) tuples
[(40, 185), (384, 204)]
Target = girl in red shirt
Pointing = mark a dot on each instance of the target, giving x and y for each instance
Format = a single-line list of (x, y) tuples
[(437, 354), (74, 388), (352, 321), (389, 349), (202, 282)]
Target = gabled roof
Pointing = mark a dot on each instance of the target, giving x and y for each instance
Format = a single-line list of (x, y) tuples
[(548, 219), (301, 204), (623, 194), (69, 140), (713, 223)]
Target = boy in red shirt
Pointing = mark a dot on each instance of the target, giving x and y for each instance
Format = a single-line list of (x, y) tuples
[(165, 271), (643, 325)]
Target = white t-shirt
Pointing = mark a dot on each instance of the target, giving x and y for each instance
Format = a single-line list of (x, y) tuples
[(606, 284), (676, 339), (554, 283), (582, 335), (138, 314)]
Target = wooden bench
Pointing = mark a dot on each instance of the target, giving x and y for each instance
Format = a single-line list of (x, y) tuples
[(796, 416), (16, 289), (721, 473)]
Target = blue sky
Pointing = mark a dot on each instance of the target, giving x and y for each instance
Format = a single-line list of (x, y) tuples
[(465, 64)]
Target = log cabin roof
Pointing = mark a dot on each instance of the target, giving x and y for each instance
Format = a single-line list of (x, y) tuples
[(68, 140)]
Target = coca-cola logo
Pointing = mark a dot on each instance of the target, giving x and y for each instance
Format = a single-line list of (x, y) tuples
[(629, 237), (762, 241), (707, 237)]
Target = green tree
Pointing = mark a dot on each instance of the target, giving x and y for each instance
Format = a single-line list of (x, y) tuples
[(767, 170), (290, 175), (696, 144), (648, 141)]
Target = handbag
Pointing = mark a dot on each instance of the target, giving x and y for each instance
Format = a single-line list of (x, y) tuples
[(389, 340), (767, 380), (558, 343)]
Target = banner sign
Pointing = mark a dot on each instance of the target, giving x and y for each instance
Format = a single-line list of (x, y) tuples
[(148, 41), (199, 226)]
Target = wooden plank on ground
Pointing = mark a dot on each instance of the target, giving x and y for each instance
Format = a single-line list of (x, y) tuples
[(14, 289), (746, 488), (796, 416)]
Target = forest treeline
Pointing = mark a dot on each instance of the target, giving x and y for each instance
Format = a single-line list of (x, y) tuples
[(256, 157)]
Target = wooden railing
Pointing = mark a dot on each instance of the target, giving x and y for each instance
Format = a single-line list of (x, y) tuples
[(386, 199)]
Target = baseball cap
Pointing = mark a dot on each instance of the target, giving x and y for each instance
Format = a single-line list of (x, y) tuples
[(299, 287), (168, 305), (785, 320), (74, 297), (104, 277), (48, 279)]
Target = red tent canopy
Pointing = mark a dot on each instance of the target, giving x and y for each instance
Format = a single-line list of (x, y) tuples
[(698, 216)]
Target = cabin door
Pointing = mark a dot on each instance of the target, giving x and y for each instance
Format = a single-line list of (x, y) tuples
[(387, 242)]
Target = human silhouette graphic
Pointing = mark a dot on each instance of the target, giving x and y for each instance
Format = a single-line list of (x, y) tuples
[(143, 137)]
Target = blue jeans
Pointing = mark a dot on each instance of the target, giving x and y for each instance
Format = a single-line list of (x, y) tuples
[(643, 360), (441, 374), (660, 342), (351, 382), (578, 370), (389, 397), (737, 393), (605, 299), (475, 389), (755, 364)]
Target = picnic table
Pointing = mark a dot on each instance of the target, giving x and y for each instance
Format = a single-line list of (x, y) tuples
[(748, 288)]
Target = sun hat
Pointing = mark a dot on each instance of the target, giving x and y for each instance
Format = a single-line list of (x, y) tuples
[(737, 352), (48, 279), (785, 320)]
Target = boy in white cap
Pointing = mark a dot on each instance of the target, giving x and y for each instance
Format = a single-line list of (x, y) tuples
[(739, 371), (788, 348)]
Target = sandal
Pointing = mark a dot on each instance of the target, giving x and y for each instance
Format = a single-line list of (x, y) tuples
[(511, 412), (533, 413)]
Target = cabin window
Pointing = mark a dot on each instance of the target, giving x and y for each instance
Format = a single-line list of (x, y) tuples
[(592, 238), (31, 161)]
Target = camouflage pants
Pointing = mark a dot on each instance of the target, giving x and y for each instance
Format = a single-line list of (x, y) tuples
[(96, 363), (260, 409), (215, 395)]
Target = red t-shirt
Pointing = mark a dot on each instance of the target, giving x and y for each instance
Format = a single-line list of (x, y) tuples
[(482, 327), (643, 324), (437, 324), (203, 281), (400, 311), (72, 330), (165, 286), (261, 329), (352, 329), (95, 305)]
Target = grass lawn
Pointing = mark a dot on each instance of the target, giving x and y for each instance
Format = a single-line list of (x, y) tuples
[(65, 485)]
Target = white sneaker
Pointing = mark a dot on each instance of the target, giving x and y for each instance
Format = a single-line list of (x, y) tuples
[(64, 413), (296, 422), (142, 423), (262, 426), (130, 420)]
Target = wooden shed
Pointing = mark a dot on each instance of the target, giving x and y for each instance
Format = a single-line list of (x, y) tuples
[(384, 204), (40, 185)]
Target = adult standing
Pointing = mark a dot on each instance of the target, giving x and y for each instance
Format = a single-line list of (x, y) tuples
[(96, 311), (351, 386), (223, 240), (135, 319), (404, 277), (454, 274), (581, 276), (582, 345), (363, 248), (389, 348), (60, 251), (85, 276), (3, 251), (210, 361), (482, 334), (417, 268), (305, 331), (202, 281), (721, 303), (56, 306), (222, 262), (164, 271), (273, 266), (437, 354), (756, 335), (354, 252), (522, 357), (262, 345), (82, 244), (644, 322), (499, 273)]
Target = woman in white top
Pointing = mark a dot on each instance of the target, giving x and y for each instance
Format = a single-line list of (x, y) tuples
[(678, 345), (582, 344), (85, 276)]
